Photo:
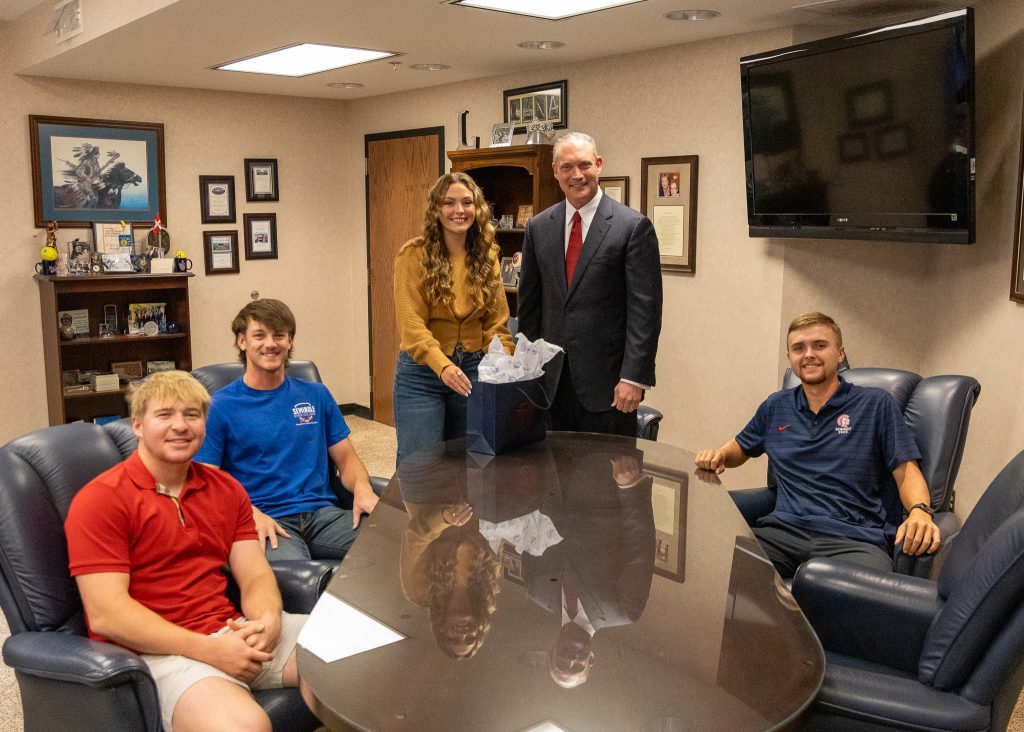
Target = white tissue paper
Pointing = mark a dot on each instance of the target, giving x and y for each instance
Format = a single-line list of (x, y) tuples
[(497, 367)]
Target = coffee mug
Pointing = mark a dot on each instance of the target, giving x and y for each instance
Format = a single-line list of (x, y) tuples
[(46, 267), (182, 264)]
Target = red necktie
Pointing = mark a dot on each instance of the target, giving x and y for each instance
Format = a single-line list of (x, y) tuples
[(572, 600), (575, 245)]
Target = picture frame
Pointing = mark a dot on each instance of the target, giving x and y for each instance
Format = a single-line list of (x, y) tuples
[(112, 237), (547, 102), (524, 215), (70, 153), (220, 251), (127, 370), (774, 118), (501, 134), (869, 104), (616, 187), (79, 255), (892, 141), (507, 271), (853, 147), (1017, 275), (673, 212), (147, 318), (669, 500), (217, 199), (260, 235), (261, 180)]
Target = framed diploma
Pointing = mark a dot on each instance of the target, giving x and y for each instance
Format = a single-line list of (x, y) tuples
[(668, 197), (217, 199), (261, 179), (1017, 285), (260, 236), (616, 188), (221, 252)]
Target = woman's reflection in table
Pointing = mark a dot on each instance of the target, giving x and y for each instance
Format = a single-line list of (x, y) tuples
[(445, 564)]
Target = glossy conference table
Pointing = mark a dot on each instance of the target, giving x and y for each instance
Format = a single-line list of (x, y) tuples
[(691, 626)]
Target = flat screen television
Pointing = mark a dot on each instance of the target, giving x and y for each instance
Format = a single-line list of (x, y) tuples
[(867, 135)]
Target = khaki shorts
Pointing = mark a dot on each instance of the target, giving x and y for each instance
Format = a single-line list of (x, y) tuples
[(175, 674)]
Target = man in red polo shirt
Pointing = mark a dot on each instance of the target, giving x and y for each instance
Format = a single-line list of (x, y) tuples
[(146, 542)]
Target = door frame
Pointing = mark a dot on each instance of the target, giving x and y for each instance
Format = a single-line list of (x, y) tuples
[(367, 139)]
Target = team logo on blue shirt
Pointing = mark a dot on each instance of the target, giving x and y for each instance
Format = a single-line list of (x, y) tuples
[(304, 413), (843, 424)]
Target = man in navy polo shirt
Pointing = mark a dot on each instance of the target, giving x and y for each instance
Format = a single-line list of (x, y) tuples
[(836, 450)]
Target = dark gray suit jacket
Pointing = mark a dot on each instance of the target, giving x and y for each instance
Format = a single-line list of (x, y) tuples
[(609, 318)]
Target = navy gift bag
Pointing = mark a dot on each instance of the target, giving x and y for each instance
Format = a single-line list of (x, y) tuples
[(502, 417)]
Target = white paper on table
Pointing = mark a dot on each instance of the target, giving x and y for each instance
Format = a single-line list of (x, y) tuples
[(336, 630)]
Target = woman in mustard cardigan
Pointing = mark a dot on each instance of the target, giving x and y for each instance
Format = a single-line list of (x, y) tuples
[(449, 302)]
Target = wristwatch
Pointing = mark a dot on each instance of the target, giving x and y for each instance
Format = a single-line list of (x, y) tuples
[(924, 507)]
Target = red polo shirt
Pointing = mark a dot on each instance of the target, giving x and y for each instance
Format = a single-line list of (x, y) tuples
[(119, 523)]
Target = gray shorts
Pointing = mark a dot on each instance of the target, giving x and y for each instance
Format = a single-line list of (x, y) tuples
[(175, 674)]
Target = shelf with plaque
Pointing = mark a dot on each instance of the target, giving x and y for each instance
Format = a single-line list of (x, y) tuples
[(89, 297), (511, 177)]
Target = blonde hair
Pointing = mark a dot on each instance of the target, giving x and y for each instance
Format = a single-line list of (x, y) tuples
[(481, 246), (167, 387)]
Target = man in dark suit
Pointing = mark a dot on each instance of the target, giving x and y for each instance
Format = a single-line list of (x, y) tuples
[(591, 283)]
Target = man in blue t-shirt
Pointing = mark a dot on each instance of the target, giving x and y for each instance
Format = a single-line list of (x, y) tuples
[(277, 435), (836, 450)]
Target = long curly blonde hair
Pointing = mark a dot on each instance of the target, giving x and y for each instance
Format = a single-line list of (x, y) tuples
[(481, 246)]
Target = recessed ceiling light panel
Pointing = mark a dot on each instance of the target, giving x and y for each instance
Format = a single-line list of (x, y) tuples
[(304, 59), (545, 8), (345, 85), (429, 67)]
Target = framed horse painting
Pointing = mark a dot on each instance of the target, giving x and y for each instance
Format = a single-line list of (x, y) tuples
[(92, 170)]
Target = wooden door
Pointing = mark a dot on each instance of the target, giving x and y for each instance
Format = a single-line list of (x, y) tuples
[(400, 168)]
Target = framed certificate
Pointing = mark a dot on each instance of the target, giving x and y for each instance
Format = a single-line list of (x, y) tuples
[(217, 199), (260, 236), (221, 252), (261, 179), (668, 197)]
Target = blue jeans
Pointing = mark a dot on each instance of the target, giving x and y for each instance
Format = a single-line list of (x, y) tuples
[(426, 411), (326, 533)]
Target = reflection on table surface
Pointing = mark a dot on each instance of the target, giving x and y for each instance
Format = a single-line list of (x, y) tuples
[(588, 582)]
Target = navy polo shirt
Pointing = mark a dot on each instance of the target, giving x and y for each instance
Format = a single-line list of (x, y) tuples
[(834, 468)]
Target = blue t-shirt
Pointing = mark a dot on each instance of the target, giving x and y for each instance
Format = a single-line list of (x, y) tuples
[(834, 468), (274, 442)]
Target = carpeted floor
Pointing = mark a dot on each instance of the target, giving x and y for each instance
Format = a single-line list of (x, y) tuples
[(375, 443)]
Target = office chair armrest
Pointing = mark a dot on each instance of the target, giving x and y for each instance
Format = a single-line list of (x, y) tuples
[(73, 658), (924, 565), (754, 503), (836, 596), (302, 581)]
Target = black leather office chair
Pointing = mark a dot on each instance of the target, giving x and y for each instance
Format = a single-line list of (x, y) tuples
[(67, 681), (216, 376), (937, 410), (910, 653)]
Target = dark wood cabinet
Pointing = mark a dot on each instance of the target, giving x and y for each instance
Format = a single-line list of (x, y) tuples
[(511, 177), (87, 353)]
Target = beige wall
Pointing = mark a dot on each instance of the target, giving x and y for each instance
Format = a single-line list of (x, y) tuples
[(932, 308)]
